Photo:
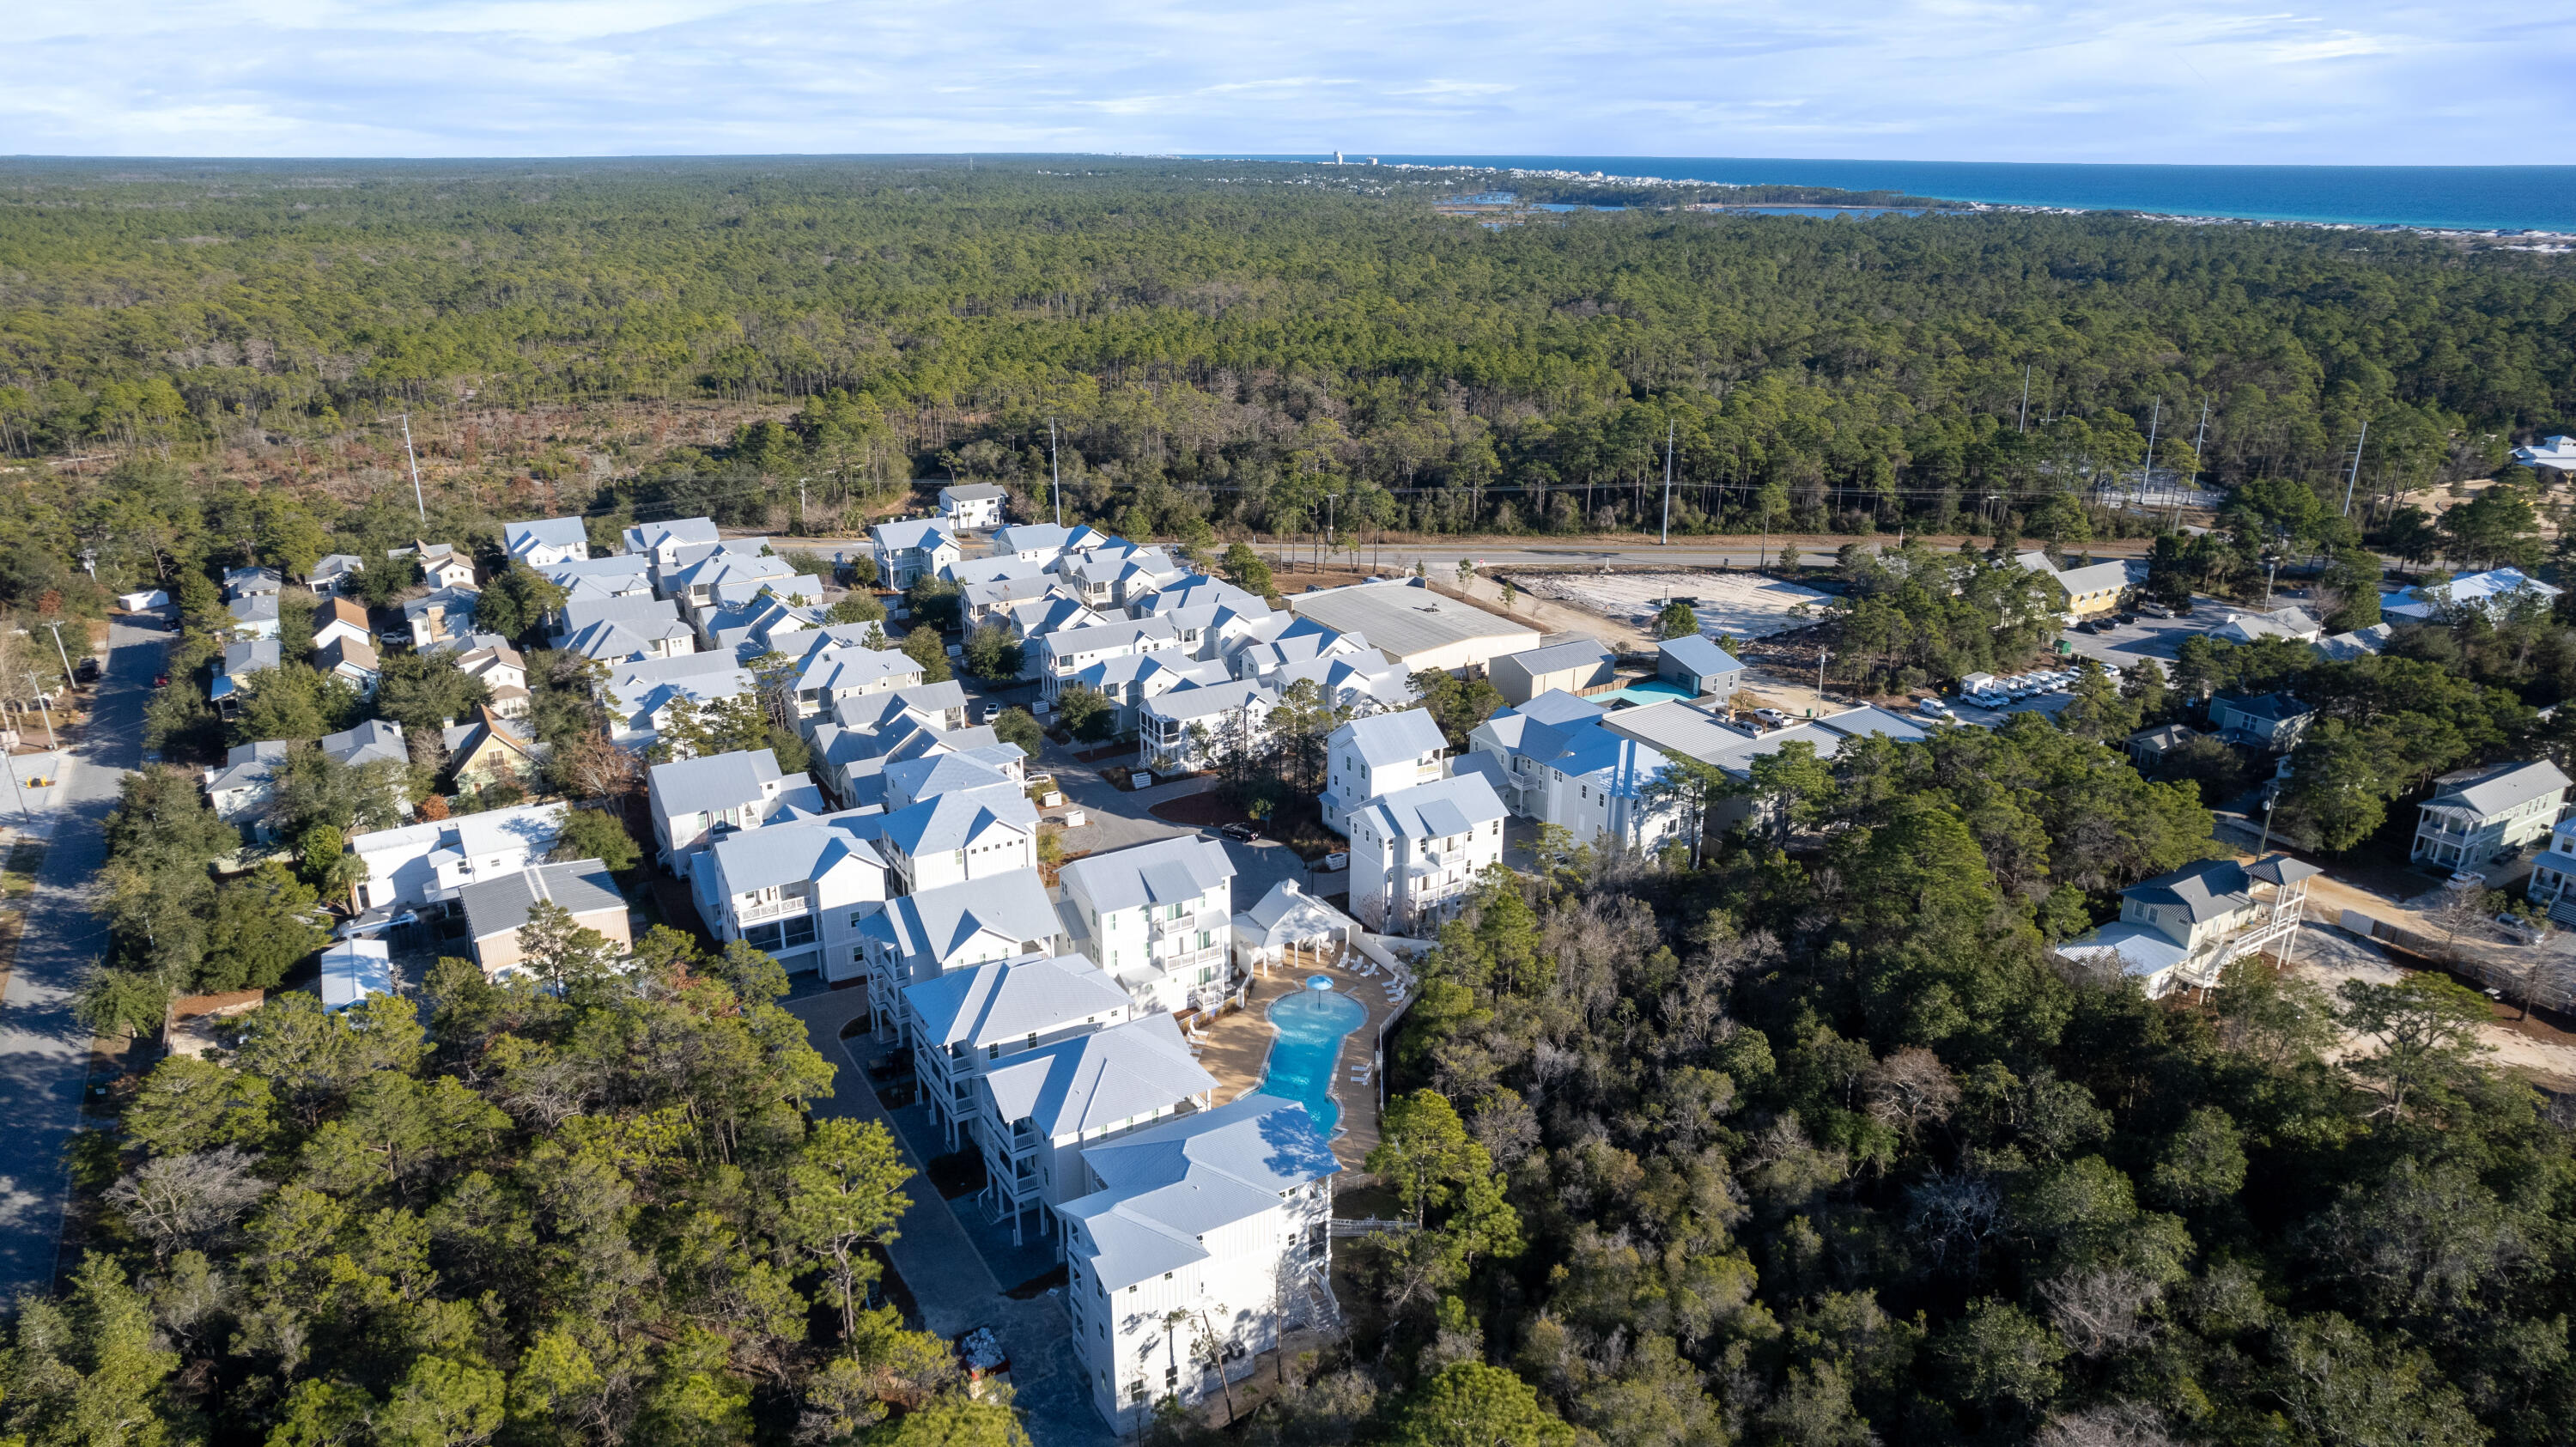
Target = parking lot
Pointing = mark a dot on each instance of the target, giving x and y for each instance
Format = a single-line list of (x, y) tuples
[(2161, 638)]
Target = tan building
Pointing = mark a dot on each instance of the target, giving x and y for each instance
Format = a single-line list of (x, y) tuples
[(1576, 666), (496, 909), (488, 751)]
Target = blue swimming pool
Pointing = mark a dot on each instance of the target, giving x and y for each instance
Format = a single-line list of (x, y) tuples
[(1311, 1024)]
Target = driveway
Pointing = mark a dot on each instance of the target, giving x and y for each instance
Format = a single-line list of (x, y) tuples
[(44, 1052), (949, 1281)]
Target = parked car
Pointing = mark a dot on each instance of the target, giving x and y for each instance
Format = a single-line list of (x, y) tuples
[(1771, 717), (1235, 831), (85, 671), (2157, 610), (2087, 626), (2124, 619), (160, 680), (2520, 931)]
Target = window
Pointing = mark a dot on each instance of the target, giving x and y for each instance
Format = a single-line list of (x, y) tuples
[(799, 931)]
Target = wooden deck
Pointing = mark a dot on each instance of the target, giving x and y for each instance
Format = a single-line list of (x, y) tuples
[(1238, 1044)]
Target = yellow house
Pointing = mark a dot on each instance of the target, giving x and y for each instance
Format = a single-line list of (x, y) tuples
[(487, 752)]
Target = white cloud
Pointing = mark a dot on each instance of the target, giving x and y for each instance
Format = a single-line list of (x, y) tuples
[(1959, 79)]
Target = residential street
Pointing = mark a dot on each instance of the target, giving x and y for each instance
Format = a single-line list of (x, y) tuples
[(44, 1054)]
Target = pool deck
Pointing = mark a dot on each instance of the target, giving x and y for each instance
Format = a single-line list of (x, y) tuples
[(1237, 1044)]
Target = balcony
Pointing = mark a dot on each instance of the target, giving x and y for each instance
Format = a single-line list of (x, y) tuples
[(1188, 924), (775, 909)]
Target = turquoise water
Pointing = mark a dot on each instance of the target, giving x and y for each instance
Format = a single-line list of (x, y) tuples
[(2485, 198), (1311, 1024)]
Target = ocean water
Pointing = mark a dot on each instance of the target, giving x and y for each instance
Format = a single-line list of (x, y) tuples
[(2483, 198)]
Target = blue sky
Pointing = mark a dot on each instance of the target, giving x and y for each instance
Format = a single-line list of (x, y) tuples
[(2468, 81)]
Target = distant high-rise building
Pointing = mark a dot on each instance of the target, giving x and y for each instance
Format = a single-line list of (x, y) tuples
[(1337, 158)]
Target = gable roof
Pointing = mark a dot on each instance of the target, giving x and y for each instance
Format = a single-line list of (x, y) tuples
[(2268, 707), (1454, 805), (2496, 788), (930, 533), (345, 652), (972, 491), (653, 537), (1165, 1188), (2206, 889), (935, 923), (1006, 1001), (953, 820), (518, 538), (372, 742), (1096, 1081), (1163, 872), (1558, 657), (1700, 654), (1391, 738), (792, 851), (500, 906), (716, 781)]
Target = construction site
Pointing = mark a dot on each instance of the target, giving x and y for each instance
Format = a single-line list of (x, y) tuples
[(1729, 605)]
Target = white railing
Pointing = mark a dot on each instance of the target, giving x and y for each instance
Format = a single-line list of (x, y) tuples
[(794, 904)]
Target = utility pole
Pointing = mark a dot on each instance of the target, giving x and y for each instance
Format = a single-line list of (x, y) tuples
[(1668, 482), (2355, 480), (59, 653), (1058, 470), (800, 504), (1822, 654), (419, 506), (33, 687), (2022, 423), (10, 767)]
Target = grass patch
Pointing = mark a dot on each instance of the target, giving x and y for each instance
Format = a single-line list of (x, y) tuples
[(18, 873)]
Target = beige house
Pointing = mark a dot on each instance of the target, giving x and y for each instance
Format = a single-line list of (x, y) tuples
[(496, 909), (2179, 930), (488, 751)]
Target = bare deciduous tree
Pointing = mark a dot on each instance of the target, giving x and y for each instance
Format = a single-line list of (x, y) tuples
[(1954, 1216), (177, 1200), (2099, 1312), (1911, 1089), (2119, 1424)]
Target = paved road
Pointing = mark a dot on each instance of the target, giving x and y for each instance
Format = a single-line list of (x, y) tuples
[(44, 1054), (1441, 557)]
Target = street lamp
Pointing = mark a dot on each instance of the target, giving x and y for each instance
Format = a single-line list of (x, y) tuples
[(59, 653), (50, 741), (2271, 565), (2270, 798)]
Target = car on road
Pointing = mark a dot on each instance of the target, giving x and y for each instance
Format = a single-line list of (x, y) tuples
[(85, 671), (1237, 831)]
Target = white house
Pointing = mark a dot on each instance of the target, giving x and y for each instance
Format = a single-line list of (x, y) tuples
[(659, 544), (1376, 755), (2181, 929), (1417, 852), (445, 614), (353, 663), (1046, 542), (694, 801), (2478, 815), (2265, 720), (339, 618), (2557, 453), (544, 543), (2552, 872), (1129, 682), (442, 565), (641, 696), (334, 573), (2292, 623), (1041, 1109), (427, 862), (949, 771), (961, 1023), (1063, 654), (1362, 682), (2493, 592), (1113, 577), (1561, 765), (592, 579), (925, 935), (802, 890), (961, 835), (252, 582), (1158, 918), (1224, 1216), (254, 615), (973, 504), (354, 969), (913, 549), (1192, 728)]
